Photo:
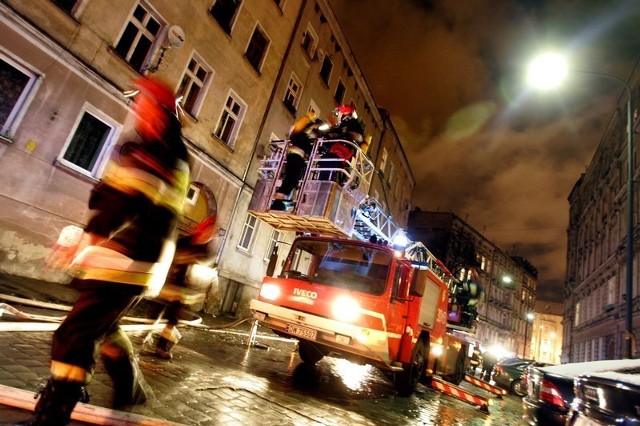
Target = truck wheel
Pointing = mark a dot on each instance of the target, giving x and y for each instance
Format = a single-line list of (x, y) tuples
[(309, 352), (458, 376), (407, 380)]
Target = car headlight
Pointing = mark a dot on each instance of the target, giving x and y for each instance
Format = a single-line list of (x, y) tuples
[(270, 291), (346, 309)]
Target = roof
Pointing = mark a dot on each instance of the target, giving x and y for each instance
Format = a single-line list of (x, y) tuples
[(575, 369)]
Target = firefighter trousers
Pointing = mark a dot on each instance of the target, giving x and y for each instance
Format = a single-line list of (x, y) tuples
[(92, 321)]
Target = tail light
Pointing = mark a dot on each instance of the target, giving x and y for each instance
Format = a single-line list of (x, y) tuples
[(550, 393)]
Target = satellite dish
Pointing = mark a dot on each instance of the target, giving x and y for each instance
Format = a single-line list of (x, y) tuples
[(175, 36)]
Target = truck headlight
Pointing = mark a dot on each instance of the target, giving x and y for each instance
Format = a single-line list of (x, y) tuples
[(436, 350), (270, 291), (346, 309)]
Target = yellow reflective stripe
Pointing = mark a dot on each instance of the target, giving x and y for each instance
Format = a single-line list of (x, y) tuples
[(69, 373), (128, 179), (173, 293), (100, 263)]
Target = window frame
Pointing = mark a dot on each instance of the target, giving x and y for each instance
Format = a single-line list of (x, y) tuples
[(309, 42), (232, 20), (339, 97), (239, 118), (250, 226), (156, 40), (19, 108), (103, 152), (274, 239), (321, 73), (197, 105), (295, 94), (258, 29)]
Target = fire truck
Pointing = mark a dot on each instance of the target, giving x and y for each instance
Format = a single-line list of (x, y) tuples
[(346, 290)]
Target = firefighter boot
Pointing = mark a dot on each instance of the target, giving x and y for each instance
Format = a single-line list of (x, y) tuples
[(170, 336), (128, 382), (163, 348), (55, 404)]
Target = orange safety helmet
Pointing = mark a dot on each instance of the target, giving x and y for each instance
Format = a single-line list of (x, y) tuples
[(344, 112), (157, 90), (153, 104), (204, 232)]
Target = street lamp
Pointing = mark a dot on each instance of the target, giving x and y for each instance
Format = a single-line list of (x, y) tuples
[(529, 319), (547, 71)]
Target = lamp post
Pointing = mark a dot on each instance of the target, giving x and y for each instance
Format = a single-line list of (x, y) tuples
[(548, 71), (528, 319)]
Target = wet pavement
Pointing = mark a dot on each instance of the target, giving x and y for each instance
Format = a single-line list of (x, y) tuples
[(214, 379)]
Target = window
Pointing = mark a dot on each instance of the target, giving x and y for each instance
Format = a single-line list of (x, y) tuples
[(225, 12), (280, 3), (339, 95), (390, 174), (275, 237), (383, 160), (313, 107), (17, 86), (93, 135), (310, 41), (257, 49), (139, 36), (248, 230), (325, 71), (192, 195), (292, 94), (229, 123), (66, 5), (195, 77)]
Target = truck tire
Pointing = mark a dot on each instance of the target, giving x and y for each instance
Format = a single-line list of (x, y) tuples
[(309, 352), (458, 376), (407, 380)]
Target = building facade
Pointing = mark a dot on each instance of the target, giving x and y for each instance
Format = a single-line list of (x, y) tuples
[(509, 282), (546, 334), (245, 70), (595, 287)]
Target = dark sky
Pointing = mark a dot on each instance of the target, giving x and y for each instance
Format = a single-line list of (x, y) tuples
[(480, 144)]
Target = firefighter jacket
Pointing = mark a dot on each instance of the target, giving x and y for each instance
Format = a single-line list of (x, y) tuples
[(136, 208)]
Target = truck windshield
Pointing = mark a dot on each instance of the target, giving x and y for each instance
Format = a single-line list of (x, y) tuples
[(340, 264)]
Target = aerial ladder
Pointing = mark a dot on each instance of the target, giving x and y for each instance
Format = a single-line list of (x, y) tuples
[(333, 201)]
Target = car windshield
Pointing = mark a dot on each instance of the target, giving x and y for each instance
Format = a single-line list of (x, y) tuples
[(340, 264)]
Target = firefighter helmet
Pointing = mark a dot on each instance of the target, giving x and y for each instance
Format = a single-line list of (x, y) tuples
[(204, 232)]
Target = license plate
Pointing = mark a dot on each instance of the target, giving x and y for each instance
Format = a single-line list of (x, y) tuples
[(303, 332)]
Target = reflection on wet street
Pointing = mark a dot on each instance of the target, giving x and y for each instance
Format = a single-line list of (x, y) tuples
[(334, 391)]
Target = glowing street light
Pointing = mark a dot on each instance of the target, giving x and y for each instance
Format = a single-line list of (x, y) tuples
[(548, 71)]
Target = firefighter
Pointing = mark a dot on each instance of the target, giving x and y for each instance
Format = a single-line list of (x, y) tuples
[(130, 240), (339, 154), (178, 294), (301, 136)]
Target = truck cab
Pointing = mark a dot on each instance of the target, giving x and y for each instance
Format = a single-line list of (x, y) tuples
[(358, 300)]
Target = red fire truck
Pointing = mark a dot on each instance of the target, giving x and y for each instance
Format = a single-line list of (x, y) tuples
[(338, 293)]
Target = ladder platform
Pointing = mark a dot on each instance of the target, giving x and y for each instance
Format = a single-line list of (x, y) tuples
[(284, 221)]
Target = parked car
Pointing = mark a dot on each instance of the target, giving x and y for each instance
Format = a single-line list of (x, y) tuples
[(607, 398), (507, 374), (550, 389)]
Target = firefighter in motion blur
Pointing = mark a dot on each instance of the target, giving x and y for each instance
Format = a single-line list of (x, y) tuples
[(178, 293), (130, 241)]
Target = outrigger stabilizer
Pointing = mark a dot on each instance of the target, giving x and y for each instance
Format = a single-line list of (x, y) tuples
[(461, 394)]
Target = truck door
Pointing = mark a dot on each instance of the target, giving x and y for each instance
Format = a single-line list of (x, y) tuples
[(398, 308)]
